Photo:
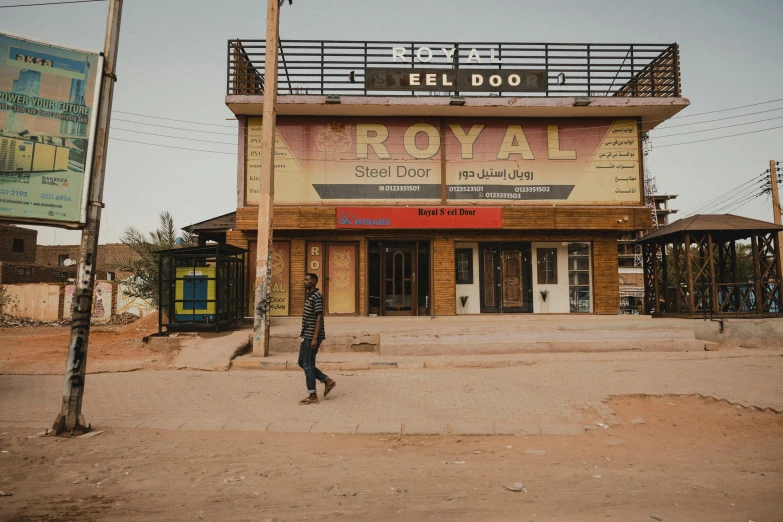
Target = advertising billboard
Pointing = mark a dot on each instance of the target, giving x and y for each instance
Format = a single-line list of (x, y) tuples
[(48, 110), (459, 160)]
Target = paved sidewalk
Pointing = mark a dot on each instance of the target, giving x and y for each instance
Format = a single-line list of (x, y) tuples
[(557, 393)]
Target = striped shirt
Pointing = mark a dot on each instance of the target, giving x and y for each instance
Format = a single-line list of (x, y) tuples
[(314, 305)]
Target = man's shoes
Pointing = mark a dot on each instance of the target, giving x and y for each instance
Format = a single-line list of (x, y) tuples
[(330, 384)]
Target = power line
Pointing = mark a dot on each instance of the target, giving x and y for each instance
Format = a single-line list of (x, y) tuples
[(737, 204), (719, 137), (748, 192), (720, 119), (227, 134), (733, 198), (193, 122), (719, 128), (175, 128), (175, 137), (715, 199), (527, 132), (173, 147), (51, 3), (725, 110)]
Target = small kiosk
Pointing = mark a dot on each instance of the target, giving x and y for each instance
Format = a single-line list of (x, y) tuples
[(201, 288)]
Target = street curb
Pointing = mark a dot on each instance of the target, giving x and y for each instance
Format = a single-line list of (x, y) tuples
[(377, 365)]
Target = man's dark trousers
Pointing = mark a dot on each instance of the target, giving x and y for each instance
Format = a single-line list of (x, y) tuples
[(307, 363)]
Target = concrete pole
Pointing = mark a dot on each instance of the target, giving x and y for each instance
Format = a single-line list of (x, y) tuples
[(70, 420), (263, 283), (776, 210)]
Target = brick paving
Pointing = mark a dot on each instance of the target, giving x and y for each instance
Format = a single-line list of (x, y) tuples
[(560, 394)]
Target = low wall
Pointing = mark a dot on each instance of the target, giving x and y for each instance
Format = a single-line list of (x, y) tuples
[(49, 302), (36, 301)]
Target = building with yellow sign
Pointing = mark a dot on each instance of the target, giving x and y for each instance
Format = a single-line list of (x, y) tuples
[(439, 180)]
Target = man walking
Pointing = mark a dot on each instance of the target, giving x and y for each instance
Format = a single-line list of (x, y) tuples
[(313, 334)]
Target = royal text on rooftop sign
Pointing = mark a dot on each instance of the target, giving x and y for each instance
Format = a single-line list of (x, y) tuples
[(457, 80)]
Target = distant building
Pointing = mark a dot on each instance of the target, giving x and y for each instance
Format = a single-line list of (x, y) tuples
[(108, 255), (22, 260), (629, 256)]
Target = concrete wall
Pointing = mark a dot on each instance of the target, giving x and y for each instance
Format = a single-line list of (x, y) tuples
[(103, 301), (39, 302), (557, 300), (473, 305), (7, 235), (52, 302), (133, 305)]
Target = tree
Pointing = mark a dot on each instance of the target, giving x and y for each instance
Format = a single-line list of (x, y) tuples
[(144, 278)]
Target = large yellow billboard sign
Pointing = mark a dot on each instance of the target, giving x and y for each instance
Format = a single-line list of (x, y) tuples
[(563, 161)]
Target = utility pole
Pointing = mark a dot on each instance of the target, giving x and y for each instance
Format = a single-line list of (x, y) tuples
[(773, 181), (266, 195), (70, 420)]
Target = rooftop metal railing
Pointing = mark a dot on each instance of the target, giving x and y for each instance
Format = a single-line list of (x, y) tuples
[(321, 67)]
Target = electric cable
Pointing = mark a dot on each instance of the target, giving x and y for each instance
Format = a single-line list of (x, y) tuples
[(719, 137), (174, 137), (175, 128), (726, 202), (51, 3), (197, 122), (719, 197), (722, 199), (173, 147), (601, 128), (718, 128), (748, 193)]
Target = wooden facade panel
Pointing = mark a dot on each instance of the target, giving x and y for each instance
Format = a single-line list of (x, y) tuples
[(577, 218), (290, 218), (443, 276), (606, 283), (298, 271), (363, 276), (514, 218)]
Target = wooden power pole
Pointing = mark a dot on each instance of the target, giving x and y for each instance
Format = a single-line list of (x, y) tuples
[(70, 420), (773, 181), (263, 283)]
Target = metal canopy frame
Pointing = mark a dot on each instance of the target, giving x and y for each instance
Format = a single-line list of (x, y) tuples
[(222, 268)]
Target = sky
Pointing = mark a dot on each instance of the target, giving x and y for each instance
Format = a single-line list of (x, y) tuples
[(172, 64)]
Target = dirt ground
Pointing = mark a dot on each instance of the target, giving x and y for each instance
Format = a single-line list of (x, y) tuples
[(42, 350), (691, 459)]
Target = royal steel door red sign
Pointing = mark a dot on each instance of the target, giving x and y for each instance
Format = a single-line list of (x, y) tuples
[(419, 217)]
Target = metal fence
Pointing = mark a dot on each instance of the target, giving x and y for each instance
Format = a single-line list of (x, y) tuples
[(321, 67)]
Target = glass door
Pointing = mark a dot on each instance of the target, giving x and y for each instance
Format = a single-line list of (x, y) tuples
[(399, 288)]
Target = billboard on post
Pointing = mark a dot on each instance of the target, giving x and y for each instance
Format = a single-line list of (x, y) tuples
[(48, 113)]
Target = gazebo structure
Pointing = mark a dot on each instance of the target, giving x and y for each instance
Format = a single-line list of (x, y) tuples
[(691, 268)]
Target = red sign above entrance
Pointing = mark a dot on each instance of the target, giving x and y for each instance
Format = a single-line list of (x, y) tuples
[(418, 217)]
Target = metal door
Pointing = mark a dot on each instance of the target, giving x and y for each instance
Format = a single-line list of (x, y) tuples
[(399, 292)]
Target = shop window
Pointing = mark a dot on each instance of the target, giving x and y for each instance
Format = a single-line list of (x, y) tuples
[(463, 264), (547, 266), (579, 276), (18, 245)]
